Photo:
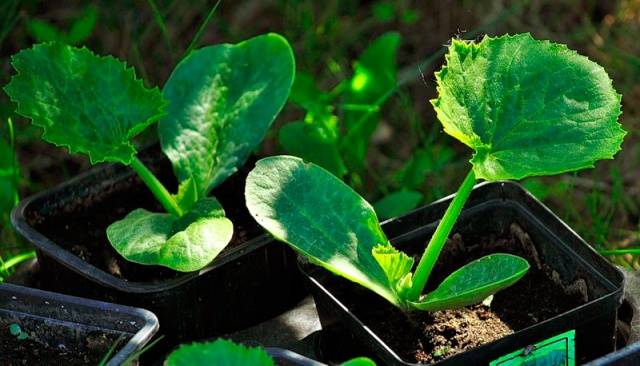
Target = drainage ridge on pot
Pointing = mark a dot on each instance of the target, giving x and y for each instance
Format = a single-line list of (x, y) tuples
[(217, 299), (492, 208), (58, 319)]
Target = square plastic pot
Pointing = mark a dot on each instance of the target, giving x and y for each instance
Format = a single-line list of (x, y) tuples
[(246, 284), (70, 322), (491, 208)]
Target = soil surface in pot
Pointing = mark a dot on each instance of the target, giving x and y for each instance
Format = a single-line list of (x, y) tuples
[(15, 352), (432, 336), (80, 225)]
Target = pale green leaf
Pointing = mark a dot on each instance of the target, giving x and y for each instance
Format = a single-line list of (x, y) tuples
[(359, 361), (396, 265), (220, 352), (397, 203), (527, 107), (184, 244), (317, 214), (87, 103), (474, 282), (187, 195), (223, 100)]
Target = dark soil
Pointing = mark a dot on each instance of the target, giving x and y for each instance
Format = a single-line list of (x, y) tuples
[(80, 225), (15, 352), (432, 336)]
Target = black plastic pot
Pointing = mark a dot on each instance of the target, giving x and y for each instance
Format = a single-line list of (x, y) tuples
[(248, 282), (627, 356), (71, 323), (285, 357), (491, 208)]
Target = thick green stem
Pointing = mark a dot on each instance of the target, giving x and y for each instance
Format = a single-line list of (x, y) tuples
[(439, 238), (158, 190)]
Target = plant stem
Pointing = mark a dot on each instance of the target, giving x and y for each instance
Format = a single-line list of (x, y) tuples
[(439, 238), (13, 261), (203, 26), (634, 251), (158, 190)]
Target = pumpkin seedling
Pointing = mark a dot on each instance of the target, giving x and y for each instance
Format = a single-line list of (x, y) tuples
[(215, 108), (526, 107)]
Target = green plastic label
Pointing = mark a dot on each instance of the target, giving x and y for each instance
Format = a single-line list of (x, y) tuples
[(555, 351)]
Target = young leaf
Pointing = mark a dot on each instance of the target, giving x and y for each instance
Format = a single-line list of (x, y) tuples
[(396, 265), (397, 203), (527, 107), (219, 352), (223, 100), (184, 244), (87, 103), (474, 282), (321, 217)]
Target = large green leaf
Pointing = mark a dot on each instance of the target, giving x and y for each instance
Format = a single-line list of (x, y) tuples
[(527, 107), (316, 213), (223, 100), (220, 352), (474, 282), (87, 103), (184, 244)]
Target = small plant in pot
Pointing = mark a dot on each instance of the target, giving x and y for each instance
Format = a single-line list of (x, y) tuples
[(527, 108), (213, 111)]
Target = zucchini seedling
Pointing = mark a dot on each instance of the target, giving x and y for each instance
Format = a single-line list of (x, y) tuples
[(526, 107), (214, 110)]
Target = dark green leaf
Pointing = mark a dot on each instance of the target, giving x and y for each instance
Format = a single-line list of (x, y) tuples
[(219, 352), (397, 203), (474, 282), (83, 26), (184, 244), (321, 217), (306, 140), (89, 104), (527, 107), (223, 100)]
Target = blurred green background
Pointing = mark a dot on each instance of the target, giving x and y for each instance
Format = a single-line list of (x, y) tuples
[(359, 106)]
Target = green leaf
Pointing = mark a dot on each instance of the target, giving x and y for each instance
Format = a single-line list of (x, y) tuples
[(223, 100), (527, 107), (306, 141), (373, 80), (187, 195), (184, 244), (220, 352), (397, 203), (87, 103), (474, 282), (423, 161), (318, 215), (42, 31), (83, 26), (359, 361), (307, 95), (396, 265), (8, 183)]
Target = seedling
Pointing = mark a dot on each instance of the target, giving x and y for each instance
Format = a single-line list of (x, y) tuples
[(224, 352), (526, 107), (214, 110)]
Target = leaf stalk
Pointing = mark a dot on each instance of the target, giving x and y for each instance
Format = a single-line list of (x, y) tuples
[(158, 190), (439, 238)]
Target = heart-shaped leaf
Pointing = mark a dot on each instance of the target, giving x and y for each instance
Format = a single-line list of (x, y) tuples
[(527, 107), (316, 213), (219, 352), (184, 244), (223, 100), (474, 282), (87, 103)]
